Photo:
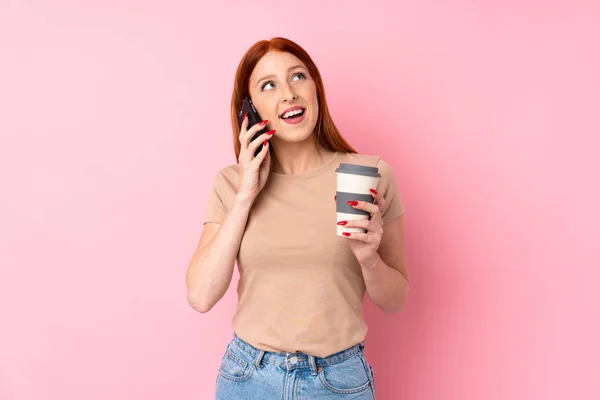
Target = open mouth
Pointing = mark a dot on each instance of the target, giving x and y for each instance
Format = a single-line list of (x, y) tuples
[(296, 113)]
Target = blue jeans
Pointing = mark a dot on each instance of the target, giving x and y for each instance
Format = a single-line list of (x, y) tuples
[(249, 373)]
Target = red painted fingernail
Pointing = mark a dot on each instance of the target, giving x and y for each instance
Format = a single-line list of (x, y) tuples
[(265, 143), (373, 191), (353, 203), (342, 222), (346, 233), (271, 132), (263, 123), (245, 115)]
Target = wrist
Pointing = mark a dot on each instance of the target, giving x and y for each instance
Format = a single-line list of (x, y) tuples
[(372, 262), (243, 200)]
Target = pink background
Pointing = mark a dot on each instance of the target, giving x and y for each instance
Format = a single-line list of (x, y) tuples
[(114, 120)]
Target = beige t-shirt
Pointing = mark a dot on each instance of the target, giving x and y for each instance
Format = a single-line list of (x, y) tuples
[(301, 288)]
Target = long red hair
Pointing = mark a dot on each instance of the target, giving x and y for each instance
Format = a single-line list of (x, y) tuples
[(327, 133)]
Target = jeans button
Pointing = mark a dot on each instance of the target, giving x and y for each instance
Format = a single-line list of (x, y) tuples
[(294, 360)]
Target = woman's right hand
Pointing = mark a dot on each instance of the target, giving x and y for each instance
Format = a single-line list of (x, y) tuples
[(254, 171)]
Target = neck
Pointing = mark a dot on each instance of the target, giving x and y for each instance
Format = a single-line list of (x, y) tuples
[(298, 158)]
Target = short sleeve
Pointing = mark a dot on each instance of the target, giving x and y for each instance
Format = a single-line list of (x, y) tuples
[(220, 197), (388, 188)]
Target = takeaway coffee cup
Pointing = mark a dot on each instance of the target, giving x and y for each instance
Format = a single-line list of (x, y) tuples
[(353, 183)]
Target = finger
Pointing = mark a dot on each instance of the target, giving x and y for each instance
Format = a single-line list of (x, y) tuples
[(267, 159), (371, 208), (246, 136), (356, 223), (369, 225), (264, 152), (260, 141), (362, 237), (243, 126), (379, 200)]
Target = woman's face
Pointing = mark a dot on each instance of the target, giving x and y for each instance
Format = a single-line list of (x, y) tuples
[(284, 93)]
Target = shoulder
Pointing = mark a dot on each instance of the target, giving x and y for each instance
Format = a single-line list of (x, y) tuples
[(226, 179), (370, 160), (229, 171), (387, 183)]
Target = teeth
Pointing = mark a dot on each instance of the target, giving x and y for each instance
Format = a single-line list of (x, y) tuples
[(292, 113)]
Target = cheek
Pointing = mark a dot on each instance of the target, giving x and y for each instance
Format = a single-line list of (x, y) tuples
[(266, 107), (316, 103), (311, 96)]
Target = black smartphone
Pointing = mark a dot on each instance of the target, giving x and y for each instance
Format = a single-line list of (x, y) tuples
[(253, 118)]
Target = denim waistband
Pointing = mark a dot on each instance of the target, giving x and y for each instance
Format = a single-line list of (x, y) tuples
[(294, 360)]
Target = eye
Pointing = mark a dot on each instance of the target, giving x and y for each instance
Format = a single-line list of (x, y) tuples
[(264, 85), (299, 74)]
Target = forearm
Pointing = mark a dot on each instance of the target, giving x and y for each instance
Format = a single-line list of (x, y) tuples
[(211, 267), (386, 286)]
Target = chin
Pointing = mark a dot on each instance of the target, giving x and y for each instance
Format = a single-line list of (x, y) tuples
[(293, 137), (295, 134)]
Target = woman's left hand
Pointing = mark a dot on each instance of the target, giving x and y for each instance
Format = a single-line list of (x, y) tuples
[(365, 245)]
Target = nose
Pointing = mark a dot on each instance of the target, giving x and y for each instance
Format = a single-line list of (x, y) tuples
[(288, 94)]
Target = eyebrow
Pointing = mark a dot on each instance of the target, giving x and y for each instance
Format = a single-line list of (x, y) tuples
[(272, 75)]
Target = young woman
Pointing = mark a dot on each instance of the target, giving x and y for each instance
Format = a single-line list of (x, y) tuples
[(298, 328)]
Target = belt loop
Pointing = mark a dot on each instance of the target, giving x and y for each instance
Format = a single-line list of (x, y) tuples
[(258, 358), (313, 365)]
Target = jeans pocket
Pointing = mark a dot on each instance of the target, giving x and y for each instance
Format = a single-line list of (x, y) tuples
[(372, 380), (370, 372), (346, 377), (235, 366)]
